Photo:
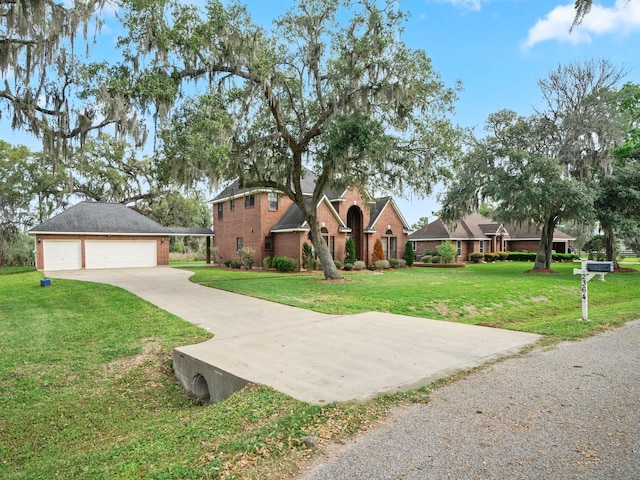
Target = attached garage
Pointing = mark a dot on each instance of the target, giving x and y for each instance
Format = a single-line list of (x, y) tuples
[(100, 235), (62, 254), (120, 253)]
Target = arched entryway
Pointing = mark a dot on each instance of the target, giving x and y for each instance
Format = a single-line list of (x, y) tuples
[(354, 222)]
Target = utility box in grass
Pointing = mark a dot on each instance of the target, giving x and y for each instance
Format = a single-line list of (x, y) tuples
[(600, 267), (45, 282)]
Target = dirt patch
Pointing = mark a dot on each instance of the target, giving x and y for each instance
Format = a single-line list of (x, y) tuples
[(624, 270), (121, 366), (540, 270)]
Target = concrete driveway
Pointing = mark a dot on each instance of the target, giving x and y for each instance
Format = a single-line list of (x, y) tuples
[(311, 356)]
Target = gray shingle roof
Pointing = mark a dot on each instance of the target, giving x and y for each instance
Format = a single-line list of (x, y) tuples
[(293, 219), (307, 183), (95, 217)]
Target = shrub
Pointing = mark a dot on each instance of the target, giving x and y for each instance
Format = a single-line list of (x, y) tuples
[(246, 257), (402, 263), (393, 262), (564, 257), (522, 256), (430, 251), (491, 257), (348, 267), (502, 256), (228, 262), (476, 257), (359, 265), (378, 252), (350, 251), (307, 256), (284, 264), (382, 264), (426, 258), (338, 264), (447, 251), (436, 259), (409, 256), (266, 262)]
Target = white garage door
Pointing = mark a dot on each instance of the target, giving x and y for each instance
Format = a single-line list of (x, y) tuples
[(120, 253), (62, 254)]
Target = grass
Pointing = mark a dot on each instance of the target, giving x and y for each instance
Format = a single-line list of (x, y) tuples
[(87, 391), (496, 295)]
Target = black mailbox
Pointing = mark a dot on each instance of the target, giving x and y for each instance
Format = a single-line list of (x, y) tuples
[(600, 267)]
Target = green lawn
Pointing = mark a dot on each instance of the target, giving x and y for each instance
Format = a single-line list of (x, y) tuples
[(498, 295), (86, 388), (87, 391)]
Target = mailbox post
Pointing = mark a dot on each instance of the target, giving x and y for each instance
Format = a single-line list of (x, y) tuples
[(587, 272)]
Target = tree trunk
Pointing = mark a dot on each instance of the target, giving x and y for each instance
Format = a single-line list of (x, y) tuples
[(322, 250), (545, 247), (610, 245)]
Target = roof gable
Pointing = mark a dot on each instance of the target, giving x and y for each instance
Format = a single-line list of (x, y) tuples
[(96, 217)]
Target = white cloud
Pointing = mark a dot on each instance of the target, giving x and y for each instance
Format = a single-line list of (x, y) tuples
[(623, 18)]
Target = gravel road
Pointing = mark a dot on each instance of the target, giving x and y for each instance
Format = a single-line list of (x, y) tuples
[(572, 412)]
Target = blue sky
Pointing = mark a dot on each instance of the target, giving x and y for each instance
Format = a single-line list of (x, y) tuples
[(498, 49)]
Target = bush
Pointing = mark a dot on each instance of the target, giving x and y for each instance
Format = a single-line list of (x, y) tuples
[(476, 257), (348, 267), (522, 257), (308, 262), (246, 257), (564, 257), (426, 258), (359, 265), (382, 264), (393, 262), (378, 252), (447, 251), (502, 256), (409, 256), (430, 251), (350, 251), (402, 263), (284, 264), (491, 257), (338, 264), (216, 255), (266, 262), (436, 259)]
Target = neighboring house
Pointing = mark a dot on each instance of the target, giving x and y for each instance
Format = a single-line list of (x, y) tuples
[(103, 235), (476, 233), (269, 222)]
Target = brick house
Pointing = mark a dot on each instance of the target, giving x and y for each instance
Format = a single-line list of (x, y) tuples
[(476, 233), (269, 222)]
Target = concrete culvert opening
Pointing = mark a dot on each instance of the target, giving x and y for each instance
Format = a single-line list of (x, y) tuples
[(200, 388)]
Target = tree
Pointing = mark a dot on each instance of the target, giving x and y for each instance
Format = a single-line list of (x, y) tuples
[(422, 222), (350, 251), (409, 254), (48, 89), (510, 167), (378, 252), (15, 195), (447, 251), (348, 100)]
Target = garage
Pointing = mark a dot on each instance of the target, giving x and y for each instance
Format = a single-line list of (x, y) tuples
[(120, 253), (100, 235), (62, 254)]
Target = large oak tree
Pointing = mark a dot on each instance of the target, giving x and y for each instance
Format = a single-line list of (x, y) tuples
[(330, 87)]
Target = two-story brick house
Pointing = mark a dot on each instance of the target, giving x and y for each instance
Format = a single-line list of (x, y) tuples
[(269, 222)]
